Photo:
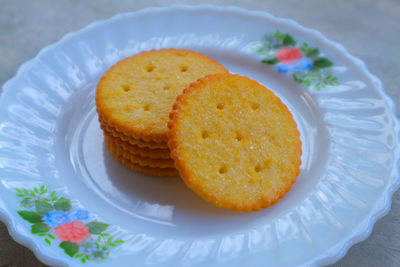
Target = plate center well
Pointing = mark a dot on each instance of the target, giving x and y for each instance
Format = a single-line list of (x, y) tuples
[(166, 201)]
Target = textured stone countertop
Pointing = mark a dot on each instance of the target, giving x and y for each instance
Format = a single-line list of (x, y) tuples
[(369, 29)]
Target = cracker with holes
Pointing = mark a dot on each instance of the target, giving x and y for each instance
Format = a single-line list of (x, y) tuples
[(234, 142), (135, 96)]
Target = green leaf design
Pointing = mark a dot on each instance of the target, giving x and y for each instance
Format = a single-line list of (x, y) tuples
[(40, 202), (322, 62), (312, 53), (30, 216), (278, 34), (298, 76), (334, 82), (39, 228), (70, 248), (263, 49), (288, 40), (43, 207), (317, 76), (86, 244), (270, 60), (304, 47), (329, 80), (98, 254), (96, 227), (259, 49), (26, 203), (53, 195), (62, 204)]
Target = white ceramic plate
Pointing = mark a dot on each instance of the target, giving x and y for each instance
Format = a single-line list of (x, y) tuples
[(88, 206)]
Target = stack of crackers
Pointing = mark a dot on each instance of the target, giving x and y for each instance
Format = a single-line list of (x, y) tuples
[(231, 140), (134, 99)]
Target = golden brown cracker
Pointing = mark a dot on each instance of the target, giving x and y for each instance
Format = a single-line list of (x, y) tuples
[(135, 95), (156, 153), (146, 170), (141, 161), (234, 142), (108, 130)]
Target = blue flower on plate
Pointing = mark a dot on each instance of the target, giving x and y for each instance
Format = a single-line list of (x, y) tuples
[(56, 218), (81, 215), (283, 68), (302, 64)]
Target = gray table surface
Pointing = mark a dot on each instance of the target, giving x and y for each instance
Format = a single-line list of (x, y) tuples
[(369, 29)]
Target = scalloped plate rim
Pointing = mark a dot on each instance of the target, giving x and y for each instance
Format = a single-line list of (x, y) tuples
[(336, 252)]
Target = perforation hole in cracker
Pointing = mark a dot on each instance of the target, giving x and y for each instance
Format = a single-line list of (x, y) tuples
[(146, 107), (220, 106), (255, 106), (126, 87), (205, 134), (258, 167), (184, 68), (223, 170), (238, 137), (149, 68)]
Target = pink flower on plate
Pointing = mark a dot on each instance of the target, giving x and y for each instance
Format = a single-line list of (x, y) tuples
[(288, 55), (74, 232)]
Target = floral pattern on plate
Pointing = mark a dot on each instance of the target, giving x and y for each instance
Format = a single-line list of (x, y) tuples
[(54, 218), (304, 62), (351, 137)]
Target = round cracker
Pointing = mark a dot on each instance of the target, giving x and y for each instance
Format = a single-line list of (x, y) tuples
[(234, 142), (135, 95)]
